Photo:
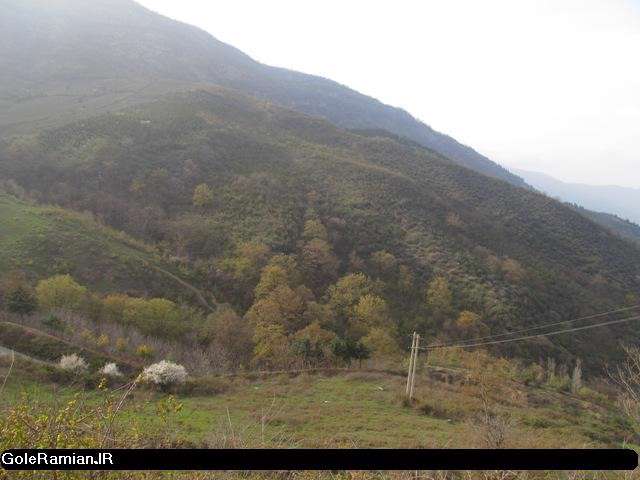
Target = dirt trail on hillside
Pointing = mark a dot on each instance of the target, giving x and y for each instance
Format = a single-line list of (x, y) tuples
[(7, 352)]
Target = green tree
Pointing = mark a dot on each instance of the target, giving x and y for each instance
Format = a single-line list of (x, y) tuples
[(272, 277), (381, 343), (281, 270), (61, 291), (631, 299), (231, 334), (283, 306), (467, 321), (272, 348), (439, 298), (157, 316), (313, 343), (406, 281), (348, 350), (345, 295), (21, 300), (384, 263), (241, 273), (513, 270), (314, 229), (319, 264), (371, 311), (202, 196)]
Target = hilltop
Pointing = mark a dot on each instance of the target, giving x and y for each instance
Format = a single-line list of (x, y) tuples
[(622, 202)]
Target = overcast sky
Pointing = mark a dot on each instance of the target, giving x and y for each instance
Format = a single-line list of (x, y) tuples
[(552, 86)]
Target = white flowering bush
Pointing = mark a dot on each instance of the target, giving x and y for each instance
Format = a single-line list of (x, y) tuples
[(111, 370), (73, 363), (164, 373)]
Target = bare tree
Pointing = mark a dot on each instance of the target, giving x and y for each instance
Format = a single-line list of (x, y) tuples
[(576, 377), (627, 377)]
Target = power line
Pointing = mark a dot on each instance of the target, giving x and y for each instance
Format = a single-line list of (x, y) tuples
[(538, 327), (527, 337)]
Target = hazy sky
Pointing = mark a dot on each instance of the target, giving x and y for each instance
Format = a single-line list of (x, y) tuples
[(552, 86)]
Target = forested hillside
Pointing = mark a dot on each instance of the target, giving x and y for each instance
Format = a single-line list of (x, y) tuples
[(66, 59), (310, 231), (621, 227), (624, 202)]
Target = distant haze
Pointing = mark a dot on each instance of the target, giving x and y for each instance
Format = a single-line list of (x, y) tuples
[(551, 86), (620, 201)]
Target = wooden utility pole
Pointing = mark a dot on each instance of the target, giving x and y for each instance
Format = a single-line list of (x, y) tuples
[(413, 346), (415, 364)]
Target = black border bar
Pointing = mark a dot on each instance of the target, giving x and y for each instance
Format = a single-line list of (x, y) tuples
[(330, 459)]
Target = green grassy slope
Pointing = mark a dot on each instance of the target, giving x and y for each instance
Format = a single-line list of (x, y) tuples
[(45, 241), (99, 65), (270, 168), (356, 410)]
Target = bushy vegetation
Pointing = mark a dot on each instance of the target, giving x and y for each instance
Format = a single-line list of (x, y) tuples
[(295, 224), (165, 374), (73, 363)]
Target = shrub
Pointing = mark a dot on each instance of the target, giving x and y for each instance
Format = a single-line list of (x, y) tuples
[(560, 383), (102, 341), (111, 370), (157, 317), (165, 373), (73, 363), (205, 386), (532, 375), (53, 322), (592, 395), (121, 344), (144, 351), (437, 408)]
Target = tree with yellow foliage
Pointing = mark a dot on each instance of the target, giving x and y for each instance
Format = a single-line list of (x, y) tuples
[(381, 343), (370, 312), (202, 196), (439, 298), (272, 348)]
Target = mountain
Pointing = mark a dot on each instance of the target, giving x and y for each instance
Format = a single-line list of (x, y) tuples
[(623, 202), (623, 228), (223, 182), (70, 59)]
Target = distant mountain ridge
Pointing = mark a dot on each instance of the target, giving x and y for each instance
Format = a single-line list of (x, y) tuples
[(621, 201), (69, 59)]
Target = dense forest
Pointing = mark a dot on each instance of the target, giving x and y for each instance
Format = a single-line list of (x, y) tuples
[(305, 234)]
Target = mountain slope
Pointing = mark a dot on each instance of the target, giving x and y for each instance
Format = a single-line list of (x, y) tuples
[(623, 228), (621, 201), (45, 241), (514, 256), (66, 59)]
